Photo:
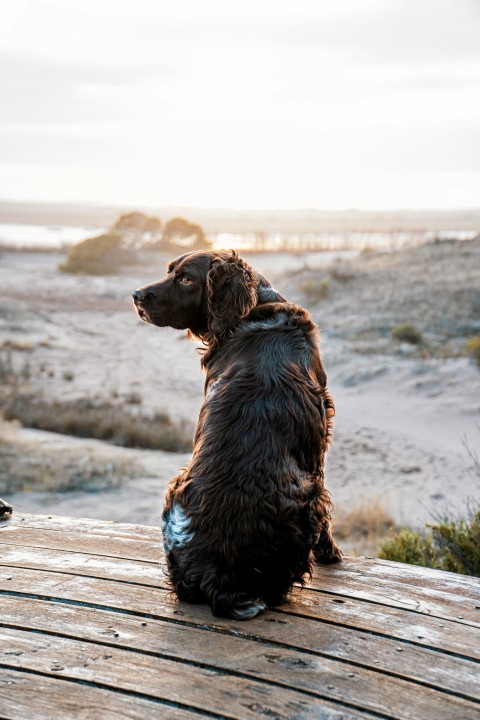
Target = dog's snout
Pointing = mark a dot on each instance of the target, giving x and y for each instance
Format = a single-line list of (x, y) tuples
[(141, 295), (138, 296)]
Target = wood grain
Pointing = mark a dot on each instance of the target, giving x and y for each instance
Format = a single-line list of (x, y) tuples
[(324, 607), (88, 629)]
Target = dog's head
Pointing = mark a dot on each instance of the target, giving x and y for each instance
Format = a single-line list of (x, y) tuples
[(208, 293)]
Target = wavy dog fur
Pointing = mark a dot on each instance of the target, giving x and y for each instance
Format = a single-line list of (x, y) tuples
[(250, 514)]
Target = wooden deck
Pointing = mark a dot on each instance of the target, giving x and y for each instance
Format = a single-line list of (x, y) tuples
[(89, 630)]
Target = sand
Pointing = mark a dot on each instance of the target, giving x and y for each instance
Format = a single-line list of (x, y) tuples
[(403, 412)]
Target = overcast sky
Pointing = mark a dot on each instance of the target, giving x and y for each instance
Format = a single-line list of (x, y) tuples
[(347, 104)]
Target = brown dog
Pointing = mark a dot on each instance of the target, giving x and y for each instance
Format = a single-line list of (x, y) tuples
[(248, 516)]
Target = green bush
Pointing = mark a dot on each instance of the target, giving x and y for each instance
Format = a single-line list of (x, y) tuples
[(472, 348), (451, 544), (459, 544), (407, 333), (409, 546), (101, 255), (314, 289)]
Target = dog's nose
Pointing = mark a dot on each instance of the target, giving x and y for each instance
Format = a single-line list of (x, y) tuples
[(139, 296)]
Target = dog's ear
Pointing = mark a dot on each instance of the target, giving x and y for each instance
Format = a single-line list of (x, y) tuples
[(266, 293), (231, 288)]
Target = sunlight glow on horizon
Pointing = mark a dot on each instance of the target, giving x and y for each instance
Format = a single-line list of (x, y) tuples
[(359, 105)]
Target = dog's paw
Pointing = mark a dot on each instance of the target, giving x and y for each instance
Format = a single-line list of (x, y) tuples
[(248, 609), (327, 553), (6, 510), (236, 605)]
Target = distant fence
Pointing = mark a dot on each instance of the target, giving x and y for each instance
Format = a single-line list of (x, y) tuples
[(324, 241)]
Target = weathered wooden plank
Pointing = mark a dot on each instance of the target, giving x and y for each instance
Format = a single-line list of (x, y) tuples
[(108, 528), (369, 570), (119, 569), (395, 584), (357, 567), (91, 543), (447, 604), (364, 577), (154, 677), (419, 629), (359, 643), (442, 602), (29, 696), (361, 649), (244, 655)]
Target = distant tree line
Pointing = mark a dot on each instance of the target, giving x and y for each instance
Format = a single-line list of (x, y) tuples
[(140, 230), (133, 231)]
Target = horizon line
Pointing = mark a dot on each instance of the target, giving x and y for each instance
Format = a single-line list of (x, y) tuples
[(226, 208)]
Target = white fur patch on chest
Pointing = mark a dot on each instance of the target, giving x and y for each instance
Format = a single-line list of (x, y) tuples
[(175, 529)]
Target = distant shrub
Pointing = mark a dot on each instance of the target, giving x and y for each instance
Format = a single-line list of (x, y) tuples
[(26, 371), (180, 233), (472, 348), (101, 420), (16, 345), (6, 365), (314, 289), (407, 333), (459, 544), (365, 520), (101, 255), (138, 229), (409, 546), (60, 470), (341, 275), (367, 250), (451, 544), (133, 398)]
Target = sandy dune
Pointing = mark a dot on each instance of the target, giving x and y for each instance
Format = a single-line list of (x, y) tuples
[(402, 412)]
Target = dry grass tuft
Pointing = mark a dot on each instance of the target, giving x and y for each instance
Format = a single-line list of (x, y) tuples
[(314, 289), (361, 529), (17, 345), (472, 348), (408, 333), (100, 420), (342, 275), (31, 468)]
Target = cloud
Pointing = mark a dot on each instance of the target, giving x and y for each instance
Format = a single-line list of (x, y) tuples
[(242, 95), (42, 89)]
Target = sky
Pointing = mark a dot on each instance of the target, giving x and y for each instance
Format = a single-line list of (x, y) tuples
[(367, 104)]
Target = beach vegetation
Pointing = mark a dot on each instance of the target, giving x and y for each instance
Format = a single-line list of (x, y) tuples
[(180, 233), (361, 528), (472, 348), (451, 544), (315, 289), (103, 254), (98, 419), (405, 332)]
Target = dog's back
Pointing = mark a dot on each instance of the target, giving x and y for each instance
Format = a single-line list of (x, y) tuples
[(253, 495)]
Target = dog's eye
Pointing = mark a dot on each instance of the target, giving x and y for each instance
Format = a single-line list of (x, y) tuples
[(186, 280)]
